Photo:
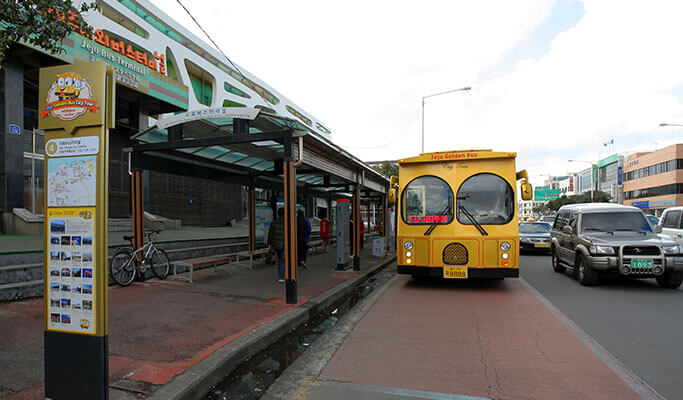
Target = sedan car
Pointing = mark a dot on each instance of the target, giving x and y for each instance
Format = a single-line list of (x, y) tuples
[(534, 236), (653, 220)]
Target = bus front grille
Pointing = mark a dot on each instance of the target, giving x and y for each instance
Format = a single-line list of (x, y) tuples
[(455, 254)]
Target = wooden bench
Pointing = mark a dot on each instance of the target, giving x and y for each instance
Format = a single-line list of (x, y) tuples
[(233, 259), (316, 244)]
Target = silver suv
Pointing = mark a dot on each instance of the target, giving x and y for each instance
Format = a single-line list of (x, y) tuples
[(600, 238)]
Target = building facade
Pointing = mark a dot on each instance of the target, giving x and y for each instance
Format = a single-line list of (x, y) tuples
[(653, 181), (160, 68), (609, 180)]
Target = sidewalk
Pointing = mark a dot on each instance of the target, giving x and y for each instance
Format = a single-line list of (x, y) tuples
[(457, 341), (163, 334)]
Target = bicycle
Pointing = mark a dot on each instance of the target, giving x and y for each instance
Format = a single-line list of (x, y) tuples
[(126, 264)]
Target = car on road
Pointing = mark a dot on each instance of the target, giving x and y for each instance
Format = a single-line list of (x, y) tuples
[(653, 220), (672, 224), (605, 238), (534, 236), (548, 218)]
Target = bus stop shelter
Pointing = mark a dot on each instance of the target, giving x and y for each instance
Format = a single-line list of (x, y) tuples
[(250, 147)]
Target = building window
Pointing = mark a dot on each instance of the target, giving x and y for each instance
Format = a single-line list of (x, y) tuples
[(231, 89), (202, 83), (33, 170), (656, 169), (121, 20)]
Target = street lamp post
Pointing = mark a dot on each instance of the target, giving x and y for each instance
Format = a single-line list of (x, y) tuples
[(423, 110), (591, 164)]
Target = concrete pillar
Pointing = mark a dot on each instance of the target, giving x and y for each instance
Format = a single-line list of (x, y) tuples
[(11, 145)]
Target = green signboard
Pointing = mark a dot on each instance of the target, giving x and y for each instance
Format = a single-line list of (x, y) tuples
[(608, 160), (545, 193)]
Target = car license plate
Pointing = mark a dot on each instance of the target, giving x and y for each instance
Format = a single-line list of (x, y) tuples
[(542, 245), (455, 272), (641, 264)]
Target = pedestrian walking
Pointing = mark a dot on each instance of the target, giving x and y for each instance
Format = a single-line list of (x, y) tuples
[(276, 241), (303, 231)]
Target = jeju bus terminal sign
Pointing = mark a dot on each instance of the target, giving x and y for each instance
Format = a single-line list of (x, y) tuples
[(76, 111)]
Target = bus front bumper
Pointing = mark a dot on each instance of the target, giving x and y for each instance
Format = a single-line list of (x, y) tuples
[(474, 273)]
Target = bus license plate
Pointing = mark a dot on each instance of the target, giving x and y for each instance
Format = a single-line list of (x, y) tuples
[(647, 264), (455, 272), (542, 245)]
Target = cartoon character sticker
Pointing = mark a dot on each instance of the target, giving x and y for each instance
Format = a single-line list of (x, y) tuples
[(69, 97)]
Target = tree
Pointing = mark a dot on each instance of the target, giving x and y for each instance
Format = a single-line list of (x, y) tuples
[(42, 23), (598, 197), (387, 168)]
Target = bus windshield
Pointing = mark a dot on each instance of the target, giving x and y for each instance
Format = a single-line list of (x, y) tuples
[(427, 200), (488, 198)]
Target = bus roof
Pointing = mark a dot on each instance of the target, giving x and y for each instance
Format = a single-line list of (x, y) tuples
[(457, 155)]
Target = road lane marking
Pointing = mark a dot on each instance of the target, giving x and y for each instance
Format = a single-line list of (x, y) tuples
[(393, 391)]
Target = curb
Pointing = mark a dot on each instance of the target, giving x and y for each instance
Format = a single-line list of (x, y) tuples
[(197, 380)]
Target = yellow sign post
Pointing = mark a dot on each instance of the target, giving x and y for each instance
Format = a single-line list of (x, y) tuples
[(76, 111)]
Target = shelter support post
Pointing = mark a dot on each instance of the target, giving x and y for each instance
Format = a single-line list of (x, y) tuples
[(290, 231), (251, 194), (385, 211), (137, 195), (356, 228)]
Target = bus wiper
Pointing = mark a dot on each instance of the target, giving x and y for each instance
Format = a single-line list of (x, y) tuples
[(436, 222), (473, 221)]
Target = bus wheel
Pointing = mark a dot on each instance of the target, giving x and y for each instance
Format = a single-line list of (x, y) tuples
[(587, 275), (555, 260)]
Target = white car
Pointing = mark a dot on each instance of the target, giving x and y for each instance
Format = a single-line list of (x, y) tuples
[(671, 224)]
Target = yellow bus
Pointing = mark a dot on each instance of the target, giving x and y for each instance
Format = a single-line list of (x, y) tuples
[(457, 214)]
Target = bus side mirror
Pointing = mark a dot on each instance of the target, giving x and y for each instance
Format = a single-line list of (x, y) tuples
[(527, 191), (391, 196)]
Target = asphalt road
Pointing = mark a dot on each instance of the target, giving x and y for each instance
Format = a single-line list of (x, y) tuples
[(639, 323)]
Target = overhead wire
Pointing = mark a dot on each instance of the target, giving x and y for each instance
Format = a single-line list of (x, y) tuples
[(219, 49)]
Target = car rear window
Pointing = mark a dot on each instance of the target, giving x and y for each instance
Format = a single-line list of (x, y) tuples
[(615, 222), (534, 228)]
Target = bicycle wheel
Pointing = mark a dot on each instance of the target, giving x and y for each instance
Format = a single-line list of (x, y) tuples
[(161, 264), (122, 267)]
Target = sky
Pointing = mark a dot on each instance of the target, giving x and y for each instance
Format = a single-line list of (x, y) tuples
[(553, 80)]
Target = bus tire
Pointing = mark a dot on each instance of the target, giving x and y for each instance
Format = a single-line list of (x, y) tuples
[(587, 276), (555, 260)]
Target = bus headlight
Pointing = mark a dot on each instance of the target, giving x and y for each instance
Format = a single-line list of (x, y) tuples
[(409, 254), (505, 256), (408, 245), (505, 246)]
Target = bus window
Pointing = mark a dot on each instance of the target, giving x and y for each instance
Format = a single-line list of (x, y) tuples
[(427, 200), (488, 198)]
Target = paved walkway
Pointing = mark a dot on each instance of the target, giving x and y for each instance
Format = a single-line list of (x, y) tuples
[(158, 330), (458, 341)]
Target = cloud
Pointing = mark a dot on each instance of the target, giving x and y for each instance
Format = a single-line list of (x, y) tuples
[(363, 67)]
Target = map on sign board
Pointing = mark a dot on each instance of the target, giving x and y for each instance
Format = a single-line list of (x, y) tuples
[(71, 181)]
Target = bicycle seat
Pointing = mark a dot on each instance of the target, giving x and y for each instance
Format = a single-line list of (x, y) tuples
[(128, 237)]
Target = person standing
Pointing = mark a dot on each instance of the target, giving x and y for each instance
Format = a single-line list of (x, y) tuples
[(303, 231), (276, 241)]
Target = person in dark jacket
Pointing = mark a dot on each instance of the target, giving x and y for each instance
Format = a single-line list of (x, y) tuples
[(303, 231), (276, 241)]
